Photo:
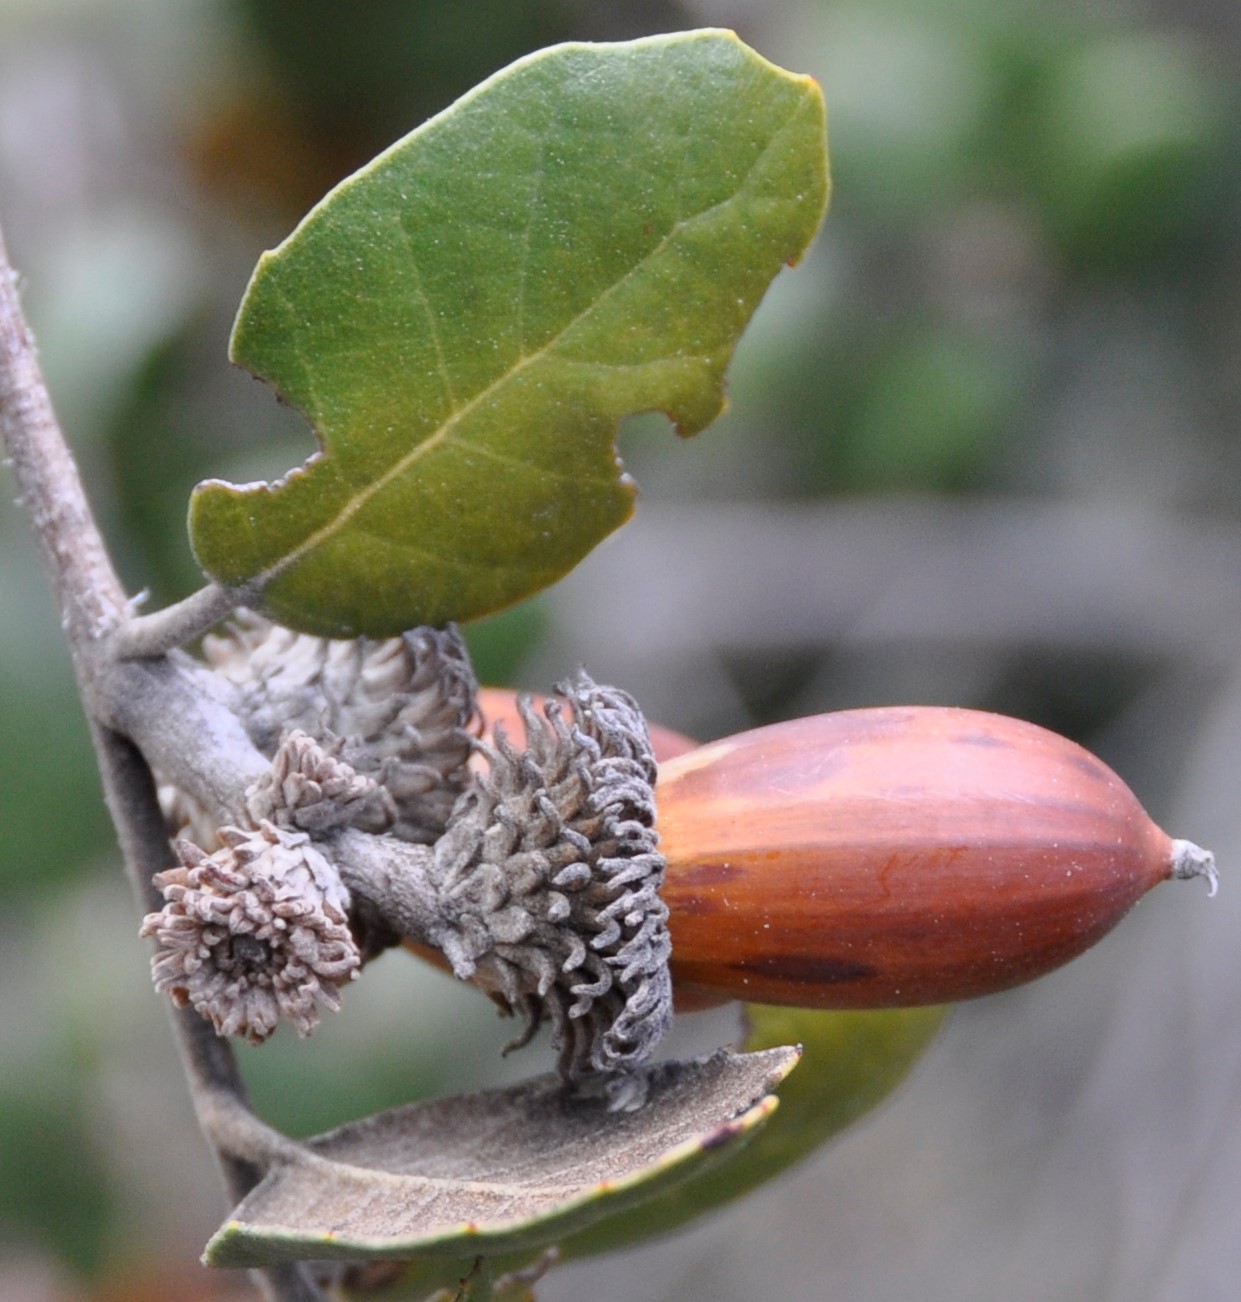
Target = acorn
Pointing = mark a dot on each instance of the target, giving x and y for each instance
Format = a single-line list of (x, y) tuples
[(892, 857)]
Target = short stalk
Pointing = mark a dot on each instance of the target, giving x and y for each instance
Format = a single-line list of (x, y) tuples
[(178, 625)]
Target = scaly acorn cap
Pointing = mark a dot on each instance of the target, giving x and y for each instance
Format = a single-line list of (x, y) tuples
[(402, 710), (548, 878)]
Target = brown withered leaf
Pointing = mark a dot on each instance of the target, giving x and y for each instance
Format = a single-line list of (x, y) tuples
[(498, 1171)]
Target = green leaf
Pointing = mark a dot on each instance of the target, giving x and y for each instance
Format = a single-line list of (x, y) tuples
[(498, 1172), (467, 320)]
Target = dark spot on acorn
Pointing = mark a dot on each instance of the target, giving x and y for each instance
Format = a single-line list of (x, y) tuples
[(807, 969), (1093, 768), (703, 880), (982, 739)]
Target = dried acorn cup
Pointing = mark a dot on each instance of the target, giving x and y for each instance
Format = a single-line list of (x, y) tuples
[(892, 857)]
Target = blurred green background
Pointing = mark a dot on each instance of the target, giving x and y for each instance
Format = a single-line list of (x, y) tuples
[(983, 448)]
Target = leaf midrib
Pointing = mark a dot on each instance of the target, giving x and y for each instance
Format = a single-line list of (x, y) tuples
[(437, 438)]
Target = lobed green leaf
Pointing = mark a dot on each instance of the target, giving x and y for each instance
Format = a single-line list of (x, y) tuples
[(466, 321)]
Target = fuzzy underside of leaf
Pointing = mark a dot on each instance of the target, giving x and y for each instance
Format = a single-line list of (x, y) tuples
[(466, 321), (498, 1172), (851, 1061)]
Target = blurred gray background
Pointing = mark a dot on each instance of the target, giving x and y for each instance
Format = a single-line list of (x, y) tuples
[(983, 449)]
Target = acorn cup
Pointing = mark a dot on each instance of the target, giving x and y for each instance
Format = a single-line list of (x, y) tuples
[(498, 705), (892, 857)]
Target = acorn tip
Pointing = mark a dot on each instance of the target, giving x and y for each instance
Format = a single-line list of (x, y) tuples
[(1190, 860)]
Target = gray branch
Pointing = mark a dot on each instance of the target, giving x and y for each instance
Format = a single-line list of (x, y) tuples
[(88, 592), (93, 607)]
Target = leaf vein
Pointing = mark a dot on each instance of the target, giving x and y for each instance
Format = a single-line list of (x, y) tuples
[(521, 463), (433, 325), (522, 364), (539, 173)]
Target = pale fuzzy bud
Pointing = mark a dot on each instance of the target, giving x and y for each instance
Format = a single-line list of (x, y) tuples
[(311, 790), (253, 933)]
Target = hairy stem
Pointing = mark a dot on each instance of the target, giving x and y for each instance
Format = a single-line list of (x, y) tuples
[(92, 606), (90, 596), (174, 626), (174, 709)]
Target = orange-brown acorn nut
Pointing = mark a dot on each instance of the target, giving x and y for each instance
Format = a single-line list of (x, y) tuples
[(901, 856)]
